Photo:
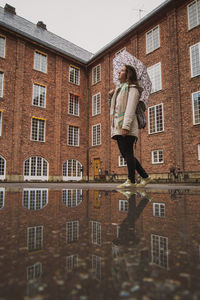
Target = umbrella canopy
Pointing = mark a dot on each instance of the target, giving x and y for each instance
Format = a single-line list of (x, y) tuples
[(125, 58)]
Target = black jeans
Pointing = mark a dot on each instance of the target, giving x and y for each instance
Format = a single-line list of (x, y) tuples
[(125, 144)]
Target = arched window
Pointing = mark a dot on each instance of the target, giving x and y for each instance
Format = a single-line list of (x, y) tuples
[(2, 197), (35, 167), (72, 198), (2, 168), (72, 170), (35, 199)]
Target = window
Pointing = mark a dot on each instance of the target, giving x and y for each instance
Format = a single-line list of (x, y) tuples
[(72, 229), (96, 74), (39, 95), (159, 250), (1, 117), (157, 156), (73, 136), (34, 271), (96, 135), (35, 238), (96, 267), (35, 199), (38, 130), (96, 233), (154, 73), (196, 107), (72, 198), (195, 60), (2, 46), (96, 104), (152, 40), (72, 170), (35, 167), (159, 210), (74, 75), (73, 107), (194, 14), (71, 262), (121, 161), (1, 84), (198, 151), (156, 121), (2, 168), (2, 197), (123, 205), (40, 62)]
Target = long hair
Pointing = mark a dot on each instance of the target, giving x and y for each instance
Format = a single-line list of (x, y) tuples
[(131, 77)]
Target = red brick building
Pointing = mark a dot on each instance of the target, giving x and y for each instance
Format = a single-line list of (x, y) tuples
[(54, 113)]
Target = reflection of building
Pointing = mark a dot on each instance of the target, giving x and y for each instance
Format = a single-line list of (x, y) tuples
[(60, 247), (53, 99)]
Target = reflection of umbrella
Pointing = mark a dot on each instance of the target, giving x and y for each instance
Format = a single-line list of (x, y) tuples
[(125, 58)]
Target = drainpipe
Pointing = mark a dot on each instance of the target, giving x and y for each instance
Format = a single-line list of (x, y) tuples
[(87, 128)]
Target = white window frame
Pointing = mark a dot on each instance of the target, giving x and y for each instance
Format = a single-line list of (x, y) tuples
[(155, 75), (39, 129), (159, 210), (1, 84), (196, 12), (73, 105), (2, 197), (72, 170), (34, 271), (121, 161), (156, 119), (195, 73), (96, 137), (2, 46), (36, 245), (72, 231), (71, 262), (30, 168), (159, 250), (74, 75), (35, 199), (157, 152), (153, 33), (123, 205), (73, 136), (3, 176), (196, 110), (40, 61), (96, 233), (72, 197), (96, 74), (96, 104), (41, 90), (198, 152), (96, 266)]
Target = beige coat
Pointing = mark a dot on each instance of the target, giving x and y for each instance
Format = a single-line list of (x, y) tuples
[(130, 119)]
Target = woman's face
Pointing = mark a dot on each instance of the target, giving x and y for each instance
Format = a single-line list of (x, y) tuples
[(122, 75)]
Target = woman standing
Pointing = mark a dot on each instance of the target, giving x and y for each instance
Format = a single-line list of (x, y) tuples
[(124, 124)]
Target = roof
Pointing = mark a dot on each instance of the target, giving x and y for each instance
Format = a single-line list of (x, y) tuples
[(44, 37), (51, 40)]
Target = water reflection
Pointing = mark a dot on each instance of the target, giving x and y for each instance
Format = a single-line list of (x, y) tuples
[(86, 244)]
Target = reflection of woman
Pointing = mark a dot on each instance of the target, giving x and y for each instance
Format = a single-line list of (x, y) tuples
[(124, 124)]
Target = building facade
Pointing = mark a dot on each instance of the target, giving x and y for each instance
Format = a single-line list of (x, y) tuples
[(54, 112)]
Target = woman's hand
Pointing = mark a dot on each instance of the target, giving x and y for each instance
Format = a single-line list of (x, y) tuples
[(110, 94), (125, 132)]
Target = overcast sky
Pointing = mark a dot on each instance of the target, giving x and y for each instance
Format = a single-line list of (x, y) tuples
[(90, 24)]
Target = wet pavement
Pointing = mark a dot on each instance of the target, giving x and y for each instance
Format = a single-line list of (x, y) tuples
[(92, 241)]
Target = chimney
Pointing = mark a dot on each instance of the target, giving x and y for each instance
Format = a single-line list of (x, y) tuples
[(10, 9), (41, 25)]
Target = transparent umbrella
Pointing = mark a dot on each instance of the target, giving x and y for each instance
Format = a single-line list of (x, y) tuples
[(125, 58)]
